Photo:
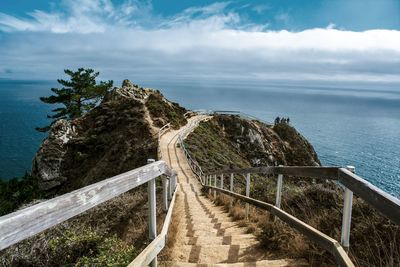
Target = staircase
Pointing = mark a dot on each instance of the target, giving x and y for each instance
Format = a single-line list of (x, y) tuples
[(205, 234)]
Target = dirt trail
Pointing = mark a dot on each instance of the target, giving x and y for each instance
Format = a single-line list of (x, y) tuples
[(205, 234)]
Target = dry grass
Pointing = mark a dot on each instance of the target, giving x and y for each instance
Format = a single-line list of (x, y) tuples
[(118, 223), (374, 239), (220, 144)]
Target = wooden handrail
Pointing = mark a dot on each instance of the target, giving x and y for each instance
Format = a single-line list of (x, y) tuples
[(313, 234), (383, 202), (380, 200), (326, 173), (19, 225), (154, 248), (388, 205)]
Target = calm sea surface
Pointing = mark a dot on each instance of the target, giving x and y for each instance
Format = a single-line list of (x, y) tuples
[(346, 126)]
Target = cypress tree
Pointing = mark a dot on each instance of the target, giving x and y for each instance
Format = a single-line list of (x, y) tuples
[(78, 95)]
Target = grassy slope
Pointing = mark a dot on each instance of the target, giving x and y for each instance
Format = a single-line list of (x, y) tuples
[(113, 138), (374, 240)]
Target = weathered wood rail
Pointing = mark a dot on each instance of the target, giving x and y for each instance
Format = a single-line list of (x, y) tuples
[(388, 205), (22, 224), (25, 223)]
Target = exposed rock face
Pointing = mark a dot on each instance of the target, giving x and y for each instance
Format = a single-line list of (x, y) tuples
[(47, 162), (232, 142), (114, 137), (267, 145)]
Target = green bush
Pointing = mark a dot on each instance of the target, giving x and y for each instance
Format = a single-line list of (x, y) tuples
[(18, 191), (89, 249)]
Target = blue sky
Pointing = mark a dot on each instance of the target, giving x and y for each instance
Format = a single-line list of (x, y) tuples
[(357, 15), (324, 40)]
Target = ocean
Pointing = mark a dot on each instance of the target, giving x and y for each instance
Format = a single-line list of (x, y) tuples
[(346, 125)]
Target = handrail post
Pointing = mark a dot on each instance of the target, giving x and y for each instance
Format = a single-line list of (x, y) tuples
[(222, 181), (231, 189), (215, 185), (279, 186), (175, 177), (165, 193), (170, 188), (209, 183), (247, 194), (231, 183), (346, 219), (151, 192), (279, 191)]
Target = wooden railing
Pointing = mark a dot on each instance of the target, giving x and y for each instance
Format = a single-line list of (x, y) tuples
[(22, 224), (194, 166), (149, 255), (388, 205)]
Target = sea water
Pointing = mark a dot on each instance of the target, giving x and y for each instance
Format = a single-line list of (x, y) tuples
[(347, 126)]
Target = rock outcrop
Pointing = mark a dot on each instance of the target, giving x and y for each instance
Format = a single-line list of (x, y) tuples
[(116, 136), (249, 143), (265, 145), (48, 160)]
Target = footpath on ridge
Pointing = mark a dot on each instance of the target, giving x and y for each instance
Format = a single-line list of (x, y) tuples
[(205, 234)]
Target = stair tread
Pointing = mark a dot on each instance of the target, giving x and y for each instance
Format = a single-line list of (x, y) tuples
[(261, 263), (218, 253)]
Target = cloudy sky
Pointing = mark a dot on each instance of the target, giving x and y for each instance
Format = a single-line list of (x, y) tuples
[(313, 40)]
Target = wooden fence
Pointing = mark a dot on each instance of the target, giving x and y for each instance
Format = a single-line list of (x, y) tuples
[(388, 205), (22, 224)]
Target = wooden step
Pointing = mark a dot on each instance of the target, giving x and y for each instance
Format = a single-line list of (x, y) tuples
[(216, 232), (217, 254), (217, 226), (243, 240), (262, 263)]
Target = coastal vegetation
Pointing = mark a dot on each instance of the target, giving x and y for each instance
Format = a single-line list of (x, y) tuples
[(17, 192), (117, 135), (120, 134), (229, 142), (78, 95)]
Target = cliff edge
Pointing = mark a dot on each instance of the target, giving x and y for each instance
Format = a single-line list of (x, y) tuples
[(115, 137)]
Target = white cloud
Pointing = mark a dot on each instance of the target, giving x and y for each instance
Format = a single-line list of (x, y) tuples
[(127, 41), (259, 9)]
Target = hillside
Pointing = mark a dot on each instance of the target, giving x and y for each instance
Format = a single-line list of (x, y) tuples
[(118, 135), (230, 142), (121, 134)]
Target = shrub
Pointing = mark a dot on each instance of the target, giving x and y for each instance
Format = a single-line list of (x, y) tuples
[(16, 192)]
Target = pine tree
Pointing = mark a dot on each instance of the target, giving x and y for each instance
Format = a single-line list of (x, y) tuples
[(78, 95)]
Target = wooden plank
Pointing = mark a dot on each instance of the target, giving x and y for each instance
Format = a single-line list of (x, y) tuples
[(267, 170), (329, 173), (168, 217), (149, 253), (313, 234), (25, 223), (380, 200), (154, 248), (341, 256)]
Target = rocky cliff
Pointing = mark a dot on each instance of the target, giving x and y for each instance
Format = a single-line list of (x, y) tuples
[(117, 136), (230, 141)]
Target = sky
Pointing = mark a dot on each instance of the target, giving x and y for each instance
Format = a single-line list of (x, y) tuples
[(328, 41)]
